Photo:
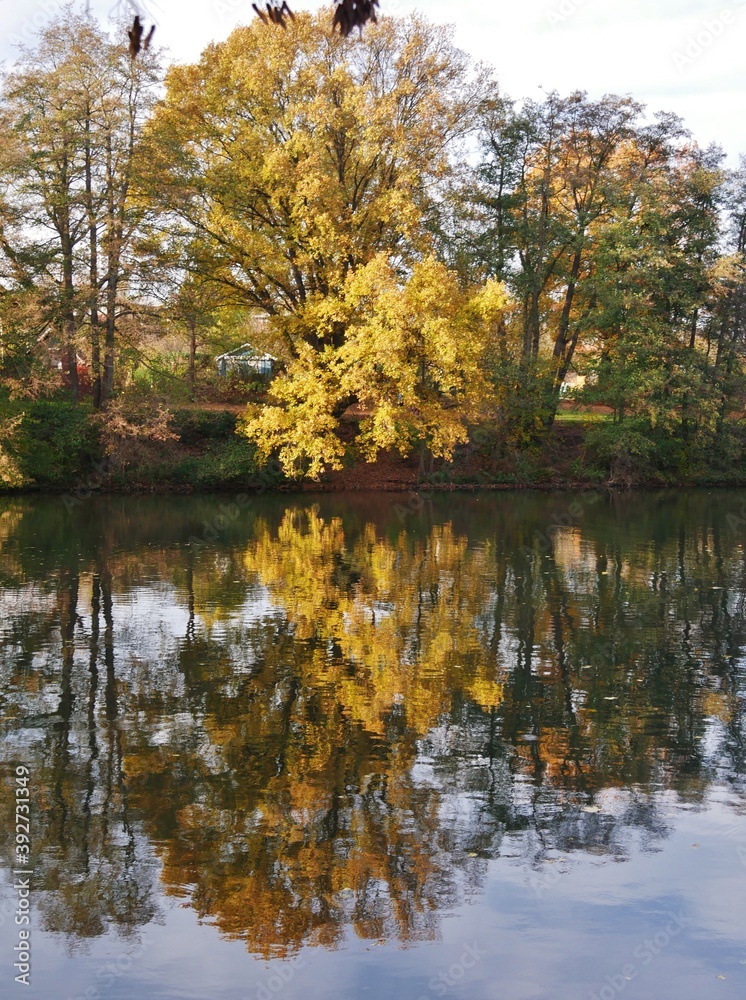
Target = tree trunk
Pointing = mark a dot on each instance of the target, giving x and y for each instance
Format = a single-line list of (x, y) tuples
[(93, 270), (192, 354), (113, 250), (693, 331), (109, 338), (560, 344), (532, 326), (69, 353)]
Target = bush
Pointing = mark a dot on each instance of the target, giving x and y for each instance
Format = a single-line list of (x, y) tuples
[(135, 432), (172, 383), (46, 442), (197, 425), (625, 450), (232, 463), (231, 388)]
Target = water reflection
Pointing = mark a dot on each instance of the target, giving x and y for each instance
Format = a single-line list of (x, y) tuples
[(326, 721)]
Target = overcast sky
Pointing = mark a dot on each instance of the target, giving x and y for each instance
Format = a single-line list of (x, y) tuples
[(687, 56)]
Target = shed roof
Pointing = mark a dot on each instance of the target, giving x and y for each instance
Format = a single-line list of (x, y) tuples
[(246, 351)]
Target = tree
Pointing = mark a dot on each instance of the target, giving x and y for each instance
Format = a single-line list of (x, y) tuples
[(725, 329), (293, 160), (298, 156), (412, 357), (654, 266), (73, 110), (601, 225), (543, 183), (181, 295)]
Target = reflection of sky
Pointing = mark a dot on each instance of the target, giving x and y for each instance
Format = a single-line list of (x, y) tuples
[(164, 607), (150, 623), (553, 925), (647, 48), (559, 943)]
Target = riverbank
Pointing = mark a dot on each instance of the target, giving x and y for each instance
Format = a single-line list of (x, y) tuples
[(60, 448)]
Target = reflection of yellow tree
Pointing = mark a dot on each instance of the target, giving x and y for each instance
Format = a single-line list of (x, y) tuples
[(303, 824), (333, 762), (309, 817), (312, 819), (403, 614)]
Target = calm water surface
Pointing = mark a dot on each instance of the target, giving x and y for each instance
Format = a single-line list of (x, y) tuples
[(490, 747)]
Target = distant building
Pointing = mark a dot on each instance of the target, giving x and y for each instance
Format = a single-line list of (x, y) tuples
[(247, 361), (572, 381)]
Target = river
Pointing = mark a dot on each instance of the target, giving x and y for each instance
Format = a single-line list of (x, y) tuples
[(467, 745)]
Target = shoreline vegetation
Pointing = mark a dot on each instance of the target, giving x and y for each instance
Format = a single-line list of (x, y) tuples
[(200, 452), (313, 262)]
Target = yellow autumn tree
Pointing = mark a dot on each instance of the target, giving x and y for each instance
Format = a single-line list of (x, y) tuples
[(294, 157), (411, 358), (302, 167)]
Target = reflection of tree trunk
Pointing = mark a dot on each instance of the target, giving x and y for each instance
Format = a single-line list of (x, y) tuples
[(110, 694), (722, 621), (93, 691), (115, 780), (557, 601), (524, 682), (69, 585), (111, 681), (68, 617), (525, 617), (501, 573), (190, 594), (285, 727)]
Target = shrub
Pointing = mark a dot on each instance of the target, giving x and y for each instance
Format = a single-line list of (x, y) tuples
[(232, 463), (197, 425), (625, 450), (135, 432), (46, 442)]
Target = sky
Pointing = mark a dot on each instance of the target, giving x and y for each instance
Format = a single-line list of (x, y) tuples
[(685, 56)]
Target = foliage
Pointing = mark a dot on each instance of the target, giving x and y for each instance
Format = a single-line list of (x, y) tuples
[(225, 463), (135, 431), (627, 450), (288, 159), (46, 443), (411, 359), (72, 111), (193, 425), (11, 473), (317, 195), (605, 229)]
